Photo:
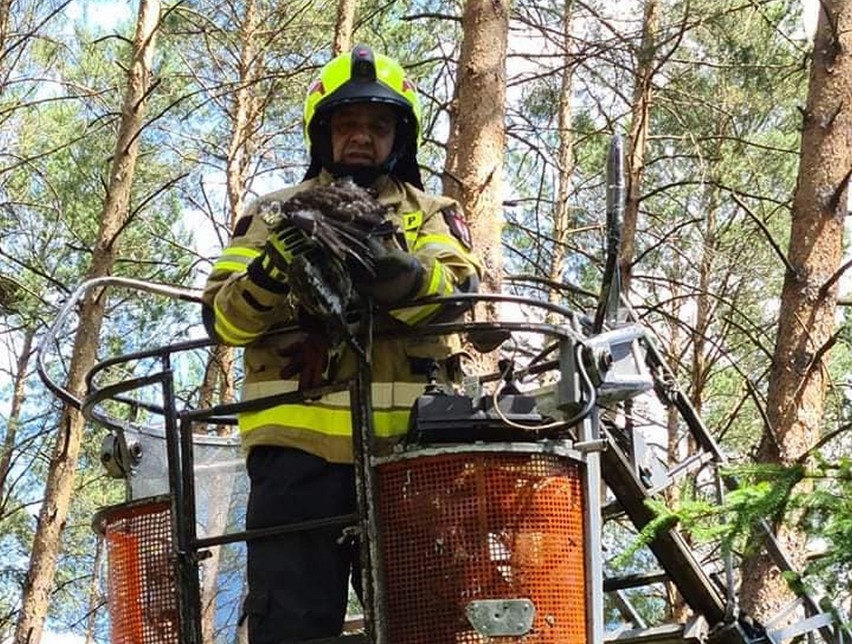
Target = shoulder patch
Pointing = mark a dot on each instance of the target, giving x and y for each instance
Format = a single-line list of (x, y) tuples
[(458, 226)]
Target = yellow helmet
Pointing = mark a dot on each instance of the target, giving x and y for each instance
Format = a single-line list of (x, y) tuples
[(362, 76)]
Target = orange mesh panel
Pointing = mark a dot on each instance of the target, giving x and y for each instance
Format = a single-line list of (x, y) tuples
[(141, 581), (475, 526)]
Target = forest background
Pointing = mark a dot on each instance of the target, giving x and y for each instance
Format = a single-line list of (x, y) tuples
[(132, 135)]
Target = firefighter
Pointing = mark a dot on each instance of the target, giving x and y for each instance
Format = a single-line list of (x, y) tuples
[(362, 120)]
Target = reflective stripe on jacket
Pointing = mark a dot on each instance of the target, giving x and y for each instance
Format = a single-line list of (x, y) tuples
[(243, 313)]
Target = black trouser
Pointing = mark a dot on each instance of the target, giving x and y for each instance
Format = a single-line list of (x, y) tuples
[(298, 583)]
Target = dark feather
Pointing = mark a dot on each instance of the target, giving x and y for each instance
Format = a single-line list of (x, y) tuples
[(339, 241), (322, 288), (342, 201)]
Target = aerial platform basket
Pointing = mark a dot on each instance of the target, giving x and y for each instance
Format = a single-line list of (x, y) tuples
[(482, 542), (141, 586)]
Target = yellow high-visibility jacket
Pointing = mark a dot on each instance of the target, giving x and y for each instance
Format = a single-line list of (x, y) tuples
[(242, 312)]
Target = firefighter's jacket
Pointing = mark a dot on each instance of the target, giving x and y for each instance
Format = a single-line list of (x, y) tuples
[(243, 312)]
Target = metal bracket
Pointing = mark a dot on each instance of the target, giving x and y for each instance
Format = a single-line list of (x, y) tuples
[(118, 455), (501, 617)]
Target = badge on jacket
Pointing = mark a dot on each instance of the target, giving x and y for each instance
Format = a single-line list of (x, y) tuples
[(458, 226)]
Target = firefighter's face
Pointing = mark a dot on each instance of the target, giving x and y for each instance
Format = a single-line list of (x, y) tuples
[(362, 133)]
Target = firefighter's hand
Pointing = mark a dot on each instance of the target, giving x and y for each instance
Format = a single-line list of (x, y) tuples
[(282, 247), (398, 275), (308, 359)]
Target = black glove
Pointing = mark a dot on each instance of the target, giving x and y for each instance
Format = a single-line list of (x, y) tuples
[(397, 275), (271, 268)]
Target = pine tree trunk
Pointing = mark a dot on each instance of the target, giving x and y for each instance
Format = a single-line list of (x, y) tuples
[(562, 221), (679, 611), (5, 16), (245, 113), (640, 109), (60, 480), (703, 307), (674, 437), (18, 397), (218, 385), (344, 26), (96, 602), (247, 110), (797, 386), (479, 129)]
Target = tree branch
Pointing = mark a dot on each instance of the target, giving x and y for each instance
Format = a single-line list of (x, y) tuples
[(781, 255)]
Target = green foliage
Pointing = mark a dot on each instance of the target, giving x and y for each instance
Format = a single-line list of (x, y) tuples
[(719, 170), (814, 499), (663, 521), (763, 494), (826, 515)]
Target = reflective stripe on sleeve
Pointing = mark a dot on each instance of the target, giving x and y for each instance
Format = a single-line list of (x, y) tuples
[(228, 332), (235, 259), (444, 242), (228, 267), (439, 284)]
